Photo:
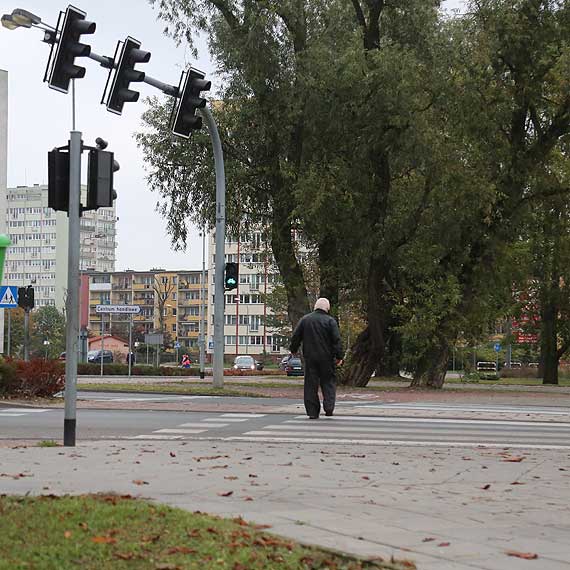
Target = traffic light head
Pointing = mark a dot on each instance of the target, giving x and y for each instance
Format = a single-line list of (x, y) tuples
[(63, 69), (231, 276), (100, 169), (185, 119), (131, 54), (58, 180), (26, 298)]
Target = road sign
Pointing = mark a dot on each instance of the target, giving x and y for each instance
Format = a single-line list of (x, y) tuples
[(8, 297), (153, 338), (176, 345), (210, 345), (128, 309), (497, 347)]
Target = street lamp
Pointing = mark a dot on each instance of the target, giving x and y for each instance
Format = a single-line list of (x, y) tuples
[(20, 18), (46, 344)]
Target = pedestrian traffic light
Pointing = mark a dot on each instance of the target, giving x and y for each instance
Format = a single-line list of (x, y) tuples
[(184, 119), (131, 54), (63, 69), (231, 276), (58, 180), (100, 168), (26, 298)]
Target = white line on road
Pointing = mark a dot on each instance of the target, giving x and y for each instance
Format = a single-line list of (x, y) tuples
[(203, 424), (155, 437), (10, 415), (473, 409), (233, 420), (24, 410), (245, 416), (389, 442), (176, 430), (353, 419)]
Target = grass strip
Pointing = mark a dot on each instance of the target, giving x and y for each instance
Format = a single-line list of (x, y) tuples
[(170, 388), (104, 532)]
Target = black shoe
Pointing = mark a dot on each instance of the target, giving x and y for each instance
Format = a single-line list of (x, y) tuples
[(328, 413), (313, 417)]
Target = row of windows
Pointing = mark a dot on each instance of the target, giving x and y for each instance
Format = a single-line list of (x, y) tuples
[(243, 299), (34, 250), (30, 276), (15, 238), (45, 263), (246, 340), (16, 211), (253, 321), (31, 223)]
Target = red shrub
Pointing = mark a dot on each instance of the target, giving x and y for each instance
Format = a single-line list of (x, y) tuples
[(40, 378)]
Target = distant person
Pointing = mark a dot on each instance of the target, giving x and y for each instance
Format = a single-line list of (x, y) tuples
[(186, 361), (322, 349), (130, 358)]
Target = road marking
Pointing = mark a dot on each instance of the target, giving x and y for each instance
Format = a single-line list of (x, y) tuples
[(233, 420), (24, 410), (203, 424), (389, 442), (299, 420), (155, 437), (176, 430), (245, 416), (473, 409), (10, 415), (172, 398)]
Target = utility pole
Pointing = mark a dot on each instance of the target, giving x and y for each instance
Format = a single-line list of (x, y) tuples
[(202, 341)]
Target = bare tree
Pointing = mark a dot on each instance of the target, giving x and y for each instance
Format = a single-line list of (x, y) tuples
[(163, 287)]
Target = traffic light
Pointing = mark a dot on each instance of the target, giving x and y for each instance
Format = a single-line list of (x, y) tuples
[(184, 114), (131, 54), (231, 276), (58, 180), (100, 169), (26, 298), (63, 69)]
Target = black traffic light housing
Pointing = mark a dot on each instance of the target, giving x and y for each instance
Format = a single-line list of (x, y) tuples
[(119, 94), (100, 169), (184, 119), (63, 69), (26, 298), (231, 276), (58, 180)]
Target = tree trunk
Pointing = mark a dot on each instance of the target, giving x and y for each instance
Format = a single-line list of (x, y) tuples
[(367, 352), (284, 253), (390, 364), (430, 372), (549, 342), (328, 272)]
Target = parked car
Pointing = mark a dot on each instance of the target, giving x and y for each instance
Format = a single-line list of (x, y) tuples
[(62, 356), (97, 355), (294, 367), (245, 363), (487, 370)]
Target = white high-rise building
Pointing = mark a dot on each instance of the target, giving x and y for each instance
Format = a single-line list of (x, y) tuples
[(39, 252), (246, 310), (3, 170)]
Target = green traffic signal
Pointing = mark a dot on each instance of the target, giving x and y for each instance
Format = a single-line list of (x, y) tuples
[(231, 276)]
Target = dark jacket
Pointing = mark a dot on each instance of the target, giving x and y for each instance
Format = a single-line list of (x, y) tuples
[(320, 336)]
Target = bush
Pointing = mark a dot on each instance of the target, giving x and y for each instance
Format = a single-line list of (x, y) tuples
[(8, 377), (523, 372), (39, 378)]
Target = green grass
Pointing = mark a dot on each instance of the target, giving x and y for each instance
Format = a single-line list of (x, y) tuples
[(108, 532), (509, 381), (170, 388), (48, 443)]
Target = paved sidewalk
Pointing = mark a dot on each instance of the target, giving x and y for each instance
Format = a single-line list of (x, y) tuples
[(446, 509)]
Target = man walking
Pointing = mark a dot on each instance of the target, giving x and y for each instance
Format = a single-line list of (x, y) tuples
[(322, 348)]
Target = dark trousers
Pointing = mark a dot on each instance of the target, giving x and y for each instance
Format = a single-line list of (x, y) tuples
[(319, 373)]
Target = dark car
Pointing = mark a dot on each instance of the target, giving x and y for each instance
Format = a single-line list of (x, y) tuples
[(247, 362), (294, 367), (97, 355)]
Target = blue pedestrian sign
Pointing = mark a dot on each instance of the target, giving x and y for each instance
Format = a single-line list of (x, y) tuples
[(497, 347), (8, 297), (176, 345)]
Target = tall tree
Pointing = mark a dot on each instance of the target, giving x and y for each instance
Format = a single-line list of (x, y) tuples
[(48, 324)]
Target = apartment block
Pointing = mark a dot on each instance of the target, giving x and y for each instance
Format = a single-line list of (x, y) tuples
[(39, 252), (246, 310), (170, 302), (3, 170)]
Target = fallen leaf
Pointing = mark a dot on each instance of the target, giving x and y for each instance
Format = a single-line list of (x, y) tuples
[(514, 459), (140, 482), (168, 567), (67, 534), (524, 555), (366, 478), (248, 498), (443, 544), (485, 487), (428, 539), (225, 493), (124, 555), (252, 475), (230, 477), (181, 550), (209, 458), (517, 483), (103, 540), (172, 454)]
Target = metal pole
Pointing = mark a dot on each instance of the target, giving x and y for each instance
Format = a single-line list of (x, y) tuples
[(9, 338), (509, 345), (218, 364), (73, 104), (72, 329), (202, 342), (130, 345), (26, 334), (103, 339)]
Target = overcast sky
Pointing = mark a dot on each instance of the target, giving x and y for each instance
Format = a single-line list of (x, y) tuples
[(40, 118)]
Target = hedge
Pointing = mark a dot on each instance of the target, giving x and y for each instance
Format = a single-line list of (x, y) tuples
[(37, 378)]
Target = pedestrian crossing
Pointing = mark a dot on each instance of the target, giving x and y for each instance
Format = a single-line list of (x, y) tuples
[(17, 412), (370, 430), (209, 424), (374, 430)]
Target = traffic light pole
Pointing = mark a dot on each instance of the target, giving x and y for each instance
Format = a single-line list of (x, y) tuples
[(218, 364), (72, 329)]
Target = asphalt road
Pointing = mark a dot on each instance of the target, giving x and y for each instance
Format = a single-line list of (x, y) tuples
[(349, 430)]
